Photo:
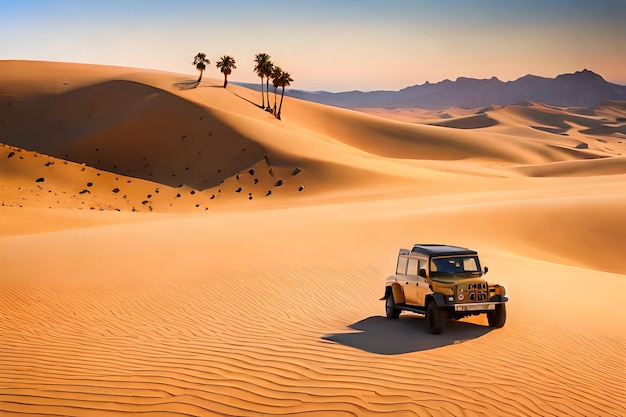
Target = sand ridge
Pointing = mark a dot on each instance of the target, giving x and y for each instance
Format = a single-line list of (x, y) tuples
[(248, 283)]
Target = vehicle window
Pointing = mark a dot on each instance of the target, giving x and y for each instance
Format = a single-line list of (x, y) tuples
[(412, 270), (402, 262), (469, 264), (455, 265)]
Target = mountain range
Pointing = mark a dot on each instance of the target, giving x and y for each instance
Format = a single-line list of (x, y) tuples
[(580, 89)]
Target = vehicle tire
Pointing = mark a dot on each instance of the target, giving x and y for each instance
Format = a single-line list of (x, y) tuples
[(390, 308), (435, 318), (497, 317)]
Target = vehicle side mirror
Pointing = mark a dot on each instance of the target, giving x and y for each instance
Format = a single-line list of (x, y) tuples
[(422, 273), (486, 270)]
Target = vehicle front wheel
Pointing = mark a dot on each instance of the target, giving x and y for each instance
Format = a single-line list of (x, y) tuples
[(497, 317), (435, 318), (390, 308)]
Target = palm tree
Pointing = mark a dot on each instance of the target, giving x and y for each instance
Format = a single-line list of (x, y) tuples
[(261, 60), (285, 81), (226, 65), (200, 62), (267, 71), (277, 72)]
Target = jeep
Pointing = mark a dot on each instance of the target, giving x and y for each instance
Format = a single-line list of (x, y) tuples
[(443, 282)]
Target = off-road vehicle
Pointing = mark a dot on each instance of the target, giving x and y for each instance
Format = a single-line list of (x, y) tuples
[(443, 282)]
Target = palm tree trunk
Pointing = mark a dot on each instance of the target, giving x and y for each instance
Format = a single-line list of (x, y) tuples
[(262, 96), (225, 80), (281, 103), (274, 101), (200, 77), (267, 90)]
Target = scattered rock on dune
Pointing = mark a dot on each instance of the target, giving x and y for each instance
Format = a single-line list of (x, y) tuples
[(279, 183), (301, 188), (251, 171), (40, 179), (238, 190), (85, 191), (89, 184), (116, 190), (296, 171), (11, 154), (269, 192)]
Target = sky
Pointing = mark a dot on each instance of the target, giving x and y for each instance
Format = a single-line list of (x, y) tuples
[(331, 45)]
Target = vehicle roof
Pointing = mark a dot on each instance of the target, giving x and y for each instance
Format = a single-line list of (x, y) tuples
[(441, 250)]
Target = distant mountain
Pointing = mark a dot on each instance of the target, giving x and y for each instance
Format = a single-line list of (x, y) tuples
[(581, 89)]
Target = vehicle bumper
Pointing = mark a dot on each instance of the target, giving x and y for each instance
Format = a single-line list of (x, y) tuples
[(475, 307)]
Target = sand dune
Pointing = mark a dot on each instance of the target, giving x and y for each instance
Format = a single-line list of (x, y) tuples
[(237, 269)]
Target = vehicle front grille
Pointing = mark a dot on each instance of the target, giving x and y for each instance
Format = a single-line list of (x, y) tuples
[(473, 293)]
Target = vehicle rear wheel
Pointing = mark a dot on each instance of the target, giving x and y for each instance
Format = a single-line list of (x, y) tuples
[(497, 317), (390, 308), (435, 318)]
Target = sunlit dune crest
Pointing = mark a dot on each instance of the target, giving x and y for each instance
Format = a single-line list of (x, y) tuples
[(180, 251)]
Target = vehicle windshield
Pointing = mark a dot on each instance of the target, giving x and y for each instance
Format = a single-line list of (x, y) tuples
[(455, 265)]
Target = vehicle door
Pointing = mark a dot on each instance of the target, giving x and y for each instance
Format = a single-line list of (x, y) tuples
[(411, 281), (423, 286)]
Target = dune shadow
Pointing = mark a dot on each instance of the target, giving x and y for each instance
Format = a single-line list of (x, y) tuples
[(549, 129), (187, 85), (476, 121), (407, 334)]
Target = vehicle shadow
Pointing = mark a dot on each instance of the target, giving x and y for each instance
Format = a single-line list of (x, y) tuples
[(407, 334)]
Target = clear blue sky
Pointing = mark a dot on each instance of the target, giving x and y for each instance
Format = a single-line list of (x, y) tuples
[(334, 45)]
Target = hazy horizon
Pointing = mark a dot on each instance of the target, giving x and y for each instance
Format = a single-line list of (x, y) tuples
[(326, 45)]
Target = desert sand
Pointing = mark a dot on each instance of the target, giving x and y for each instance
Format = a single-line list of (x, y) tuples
[(173, 249)]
